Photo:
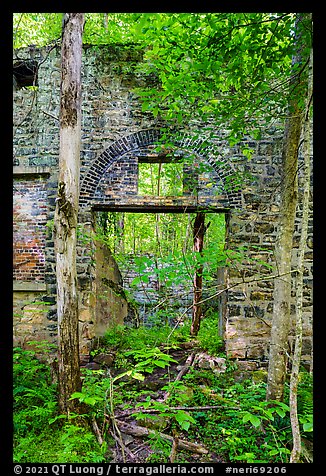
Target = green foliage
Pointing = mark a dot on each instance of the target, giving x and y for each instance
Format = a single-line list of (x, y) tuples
[(80, 446), (204, 60), (33, 392), (161, 449), (140, 236), (181, 417), (245, 430), (38, 434), (147, 359), (36, 28), (242, 428), (45, 28), (305, 402), (143, 338), (208, 337), (234, 68), (160, 179)]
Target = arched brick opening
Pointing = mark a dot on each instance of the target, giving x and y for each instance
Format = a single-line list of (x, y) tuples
[(135, 143)]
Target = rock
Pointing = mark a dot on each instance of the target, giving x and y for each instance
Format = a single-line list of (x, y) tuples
[(127, 439), (156, 422), (83, 359), (92, 366), (104, 359), (209, 362), (247, 365)]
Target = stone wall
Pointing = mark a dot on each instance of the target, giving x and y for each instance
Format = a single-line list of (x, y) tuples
[(116, 137), (152, 298)]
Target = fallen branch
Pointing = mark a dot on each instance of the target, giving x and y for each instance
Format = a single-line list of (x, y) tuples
[(174, 449), (183, 371), (187, 365), (130, 412), (123, 447), (136, 430)]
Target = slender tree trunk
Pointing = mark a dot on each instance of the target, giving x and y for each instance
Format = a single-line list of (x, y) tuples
[(296, 450), (121, 232), (198, 237), (283, 247), (66, 213), (283, 254), (105, 21)]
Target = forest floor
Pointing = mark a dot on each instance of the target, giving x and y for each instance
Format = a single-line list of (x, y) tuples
[(140, 424), (152, 397)]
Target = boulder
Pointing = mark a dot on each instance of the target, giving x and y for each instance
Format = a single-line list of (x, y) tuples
[(209, 362)]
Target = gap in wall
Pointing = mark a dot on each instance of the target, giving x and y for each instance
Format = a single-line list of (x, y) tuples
[(154, 252)]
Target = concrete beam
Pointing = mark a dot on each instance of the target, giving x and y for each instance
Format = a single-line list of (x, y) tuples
[(35, 170), (32, 286)]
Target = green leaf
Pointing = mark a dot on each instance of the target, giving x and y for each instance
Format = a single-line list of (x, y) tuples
[(280, 412), (160, 363), (255, 421), (76, 395), (273, 452), (308, 426), (246, 417), (58, 417), (91, 400), (184, 419)]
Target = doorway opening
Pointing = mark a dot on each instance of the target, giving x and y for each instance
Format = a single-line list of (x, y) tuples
[(157, 260)]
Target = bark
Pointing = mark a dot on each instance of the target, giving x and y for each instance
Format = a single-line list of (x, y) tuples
[(198, 237), (120, 230), (66, 213), (294, 379), (283, 247), (136, 430)]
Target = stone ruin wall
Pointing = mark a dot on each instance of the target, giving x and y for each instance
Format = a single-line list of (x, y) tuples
[(111, 120)]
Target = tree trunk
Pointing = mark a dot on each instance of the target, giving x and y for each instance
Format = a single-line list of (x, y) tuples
[(198, 236), (283, 253), (283, 247), (296, 450), (66, 213)]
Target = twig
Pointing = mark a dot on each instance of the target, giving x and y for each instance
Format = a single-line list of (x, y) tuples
[(113, 420), (183, 371), (97, 432), (50, 115)]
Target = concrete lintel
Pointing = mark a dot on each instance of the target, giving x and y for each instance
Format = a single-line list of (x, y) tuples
[(160, 208), (34, 170), (32, 286), (153, 204)]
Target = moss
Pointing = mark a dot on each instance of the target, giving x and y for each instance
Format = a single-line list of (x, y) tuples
[(259, 376)]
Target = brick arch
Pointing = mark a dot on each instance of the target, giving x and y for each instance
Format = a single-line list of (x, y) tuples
[(142, 139)]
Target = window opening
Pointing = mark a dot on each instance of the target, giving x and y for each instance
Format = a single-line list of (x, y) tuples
[(25, 74), (160, 178)]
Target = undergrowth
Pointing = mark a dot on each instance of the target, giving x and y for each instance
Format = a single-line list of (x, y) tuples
[(240, 427)]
